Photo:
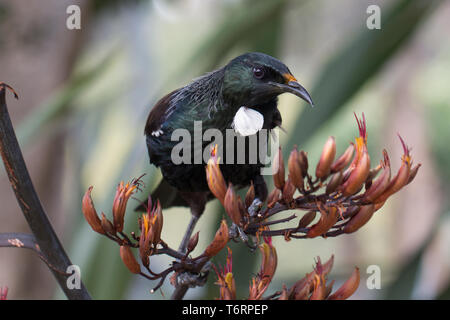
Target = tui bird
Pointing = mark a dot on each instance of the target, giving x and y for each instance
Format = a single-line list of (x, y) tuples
[(242, 96)]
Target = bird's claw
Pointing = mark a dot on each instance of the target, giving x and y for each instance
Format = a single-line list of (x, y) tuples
[(254, 208), (193, 280), (236, 233)]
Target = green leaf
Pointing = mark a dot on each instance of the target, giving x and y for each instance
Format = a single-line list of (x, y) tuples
[(357, 63)]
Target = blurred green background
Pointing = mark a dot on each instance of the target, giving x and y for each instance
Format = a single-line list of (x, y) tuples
[(85, 95)]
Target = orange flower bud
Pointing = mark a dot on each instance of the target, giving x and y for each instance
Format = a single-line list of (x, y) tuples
[(123, 193), (219, 242), (319, 289), (379, 185), (278, 170), (231, 205), (359, 219), (129, 260), (273, 197), (288, 191), (303, 159), (214, 177), (344, 159), (328, 218), (269, 261), (326, 159), (358, 176), (348, 288), (295, 171), (89, 212), (107, 225), (413, 173), (402, 177)]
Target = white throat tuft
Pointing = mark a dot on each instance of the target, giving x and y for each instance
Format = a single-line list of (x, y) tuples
[(247, 121)]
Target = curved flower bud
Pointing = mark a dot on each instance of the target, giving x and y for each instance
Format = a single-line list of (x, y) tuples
[(307, 219), (288, 191), (381, 183), (329, 216), (129, 260), (358, 176), (89, 212), (344, 159), (413, 173), (193, 242), (402, 177), (123, 193), (360, 218), (107, 225), (348, 288), (278, 170), (219, 242), (326, 159), (231, 205), (303, 160), (214, 177), (295, 170), (335, 181), (273, 197)]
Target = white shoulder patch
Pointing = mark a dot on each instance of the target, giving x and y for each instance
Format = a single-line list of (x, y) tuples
[(247, 121), (157, 133)]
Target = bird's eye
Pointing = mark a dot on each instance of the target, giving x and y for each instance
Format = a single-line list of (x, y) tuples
[(258, 72)]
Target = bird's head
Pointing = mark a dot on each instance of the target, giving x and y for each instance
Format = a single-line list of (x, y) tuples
[(253, 78)]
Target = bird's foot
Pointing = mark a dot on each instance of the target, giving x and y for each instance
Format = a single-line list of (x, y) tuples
[(192, 280), (255, 207), (237, 233)]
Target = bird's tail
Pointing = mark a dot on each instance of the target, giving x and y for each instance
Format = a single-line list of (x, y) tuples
[(168, 197)]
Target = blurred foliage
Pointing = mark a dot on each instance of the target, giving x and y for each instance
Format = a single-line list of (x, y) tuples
[(253, 25)]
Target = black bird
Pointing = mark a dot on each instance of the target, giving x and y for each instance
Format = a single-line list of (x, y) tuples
[(243, 97)]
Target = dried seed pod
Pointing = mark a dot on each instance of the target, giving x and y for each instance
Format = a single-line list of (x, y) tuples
[(344, 159), (326, 159)]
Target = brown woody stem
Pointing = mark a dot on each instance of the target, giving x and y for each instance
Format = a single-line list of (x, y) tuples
[(45, 237)]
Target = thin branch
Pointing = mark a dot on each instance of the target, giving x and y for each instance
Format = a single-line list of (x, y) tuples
[(30, 204), (26, 241)]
